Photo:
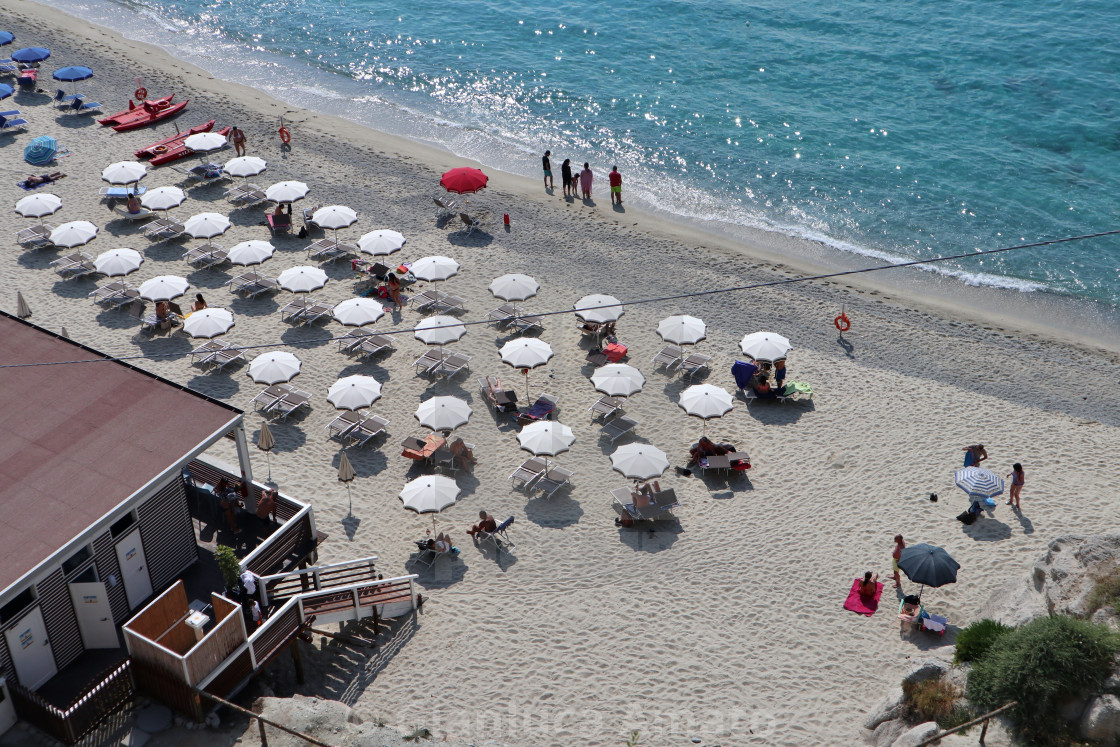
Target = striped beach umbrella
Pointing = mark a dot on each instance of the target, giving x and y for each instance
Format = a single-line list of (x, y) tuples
[(979, 483)]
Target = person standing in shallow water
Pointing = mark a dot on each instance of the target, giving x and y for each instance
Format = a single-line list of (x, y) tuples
[(566, 178), (616, 186), (547, 164), (585, 178)]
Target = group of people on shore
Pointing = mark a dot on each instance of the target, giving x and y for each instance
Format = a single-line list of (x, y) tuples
[(582, 181)]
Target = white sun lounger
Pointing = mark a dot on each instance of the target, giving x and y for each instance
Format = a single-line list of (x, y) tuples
[(553, 480), (530, 470), (669, 356), (366, 429), (617, 428)]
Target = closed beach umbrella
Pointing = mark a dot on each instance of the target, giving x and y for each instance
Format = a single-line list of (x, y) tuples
[(618, 380), (978, 482), (206, 225), (354, 392), (29, 55), (204, 142), (22, 309), (286, 191), (74, 233), (265, 442), (72, 74), (464, 180), (124, 172), (39, 206), (274, 368), (928, 565), (546, 438), (434, 268), (163, 198), (429, 493), (164, 288), (765, 346), (591, 308), (302, 279), (640, 461), (706, 401), (41, 150), (381, 243), (439, 330), (6, 37), (208, 323), (245, 166), (443, 413), (118, 262), (514, 287), (346, 474), (355, 312), (525, 353), (682, 330), (251, 252)]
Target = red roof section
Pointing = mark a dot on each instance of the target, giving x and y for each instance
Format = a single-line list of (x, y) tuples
[(76, 440)]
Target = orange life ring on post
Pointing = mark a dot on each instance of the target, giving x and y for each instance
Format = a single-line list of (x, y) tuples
[(141, 93), (285, 136), (842, 323)]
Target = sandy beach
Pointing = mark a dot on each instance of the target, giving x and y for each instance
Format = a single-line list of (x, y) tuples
[(726, 625)]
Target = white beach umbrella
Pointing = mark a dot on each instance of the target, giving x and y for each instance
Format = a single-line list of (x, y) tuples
[(443, 413), (334, 217), (118, 262), (765, 346), (640, 461), (434, 268), (286, 191), (38, 206), (245, 166), (303, 279), (590, 308), (618, 380), (355, 312), (274, 368), (206, 225), (354, 392), (514, 287), (74, 233), (429, 493), (439, 330), (546, 438), (682, 330), (251, 252), (705, 401), (381, 243), (205, 142), (125, 172), (208, 323), (163, 198), (525, 353), (164, 288)]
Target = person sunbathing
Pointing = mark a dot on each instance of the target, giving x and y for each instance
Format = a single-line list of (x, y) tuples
[(762, 388), (486, 524), (442, 543), (133, 205), (869, 586), (35, 181), (162, 309), (706, 448), (460, 450)]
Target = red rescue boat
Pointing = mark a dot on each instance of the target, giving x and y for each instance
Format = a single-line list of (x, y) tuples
[(169, 144), (116, 119), (180, 151), (147, 114)]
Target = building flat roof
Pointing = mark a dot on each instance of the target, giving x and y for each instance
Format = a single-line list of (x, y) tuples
[(77, 440)]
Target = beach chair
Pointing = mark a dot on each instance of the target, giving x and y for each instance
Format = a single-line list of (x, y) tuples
[(75, 266), (617, 428), (429, 556), (605, 407), (35, 237), (499, 537), (428, 362), (245, 194), (314, 312), (366, 429), (530, 470), (694, 364), (473, 224), (108, 291), (668, 357), (657, 507), (278, 224), (504, 314), (445, 206), (545, 408), (421, 301), (291, 311), (330, 250), (167, 230), (27, 79), (61, 98), (223, 358), (291, 402), (374, 344), (453, 364), (207, 255), (525, 324), (141, 214), (203, 173), (343, 423), (448, 303), (352, 340), (252, 284), (12, 123), (552, 480), (497, 396), (78, 106), (266, 399), (206, 350), (8, 67)]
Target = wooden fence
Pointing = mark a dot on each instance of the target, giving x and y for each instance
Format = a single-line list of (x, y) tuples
[(113, 690)]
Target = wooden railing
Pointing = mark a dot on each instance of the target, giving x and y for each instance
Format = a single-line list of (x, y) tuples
[(113, 690), (983, 732), (278, 588)]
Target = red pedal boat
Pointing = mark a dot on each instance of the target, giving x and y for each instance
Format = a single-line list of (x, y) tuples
[(116, 119), (180, 150), (169, 144), (147, 114)]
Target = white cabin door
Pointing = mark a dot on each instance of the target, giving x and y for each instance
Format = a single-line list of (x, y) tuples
[(7, 710), (134, 569), (31, 650), (95, 619)]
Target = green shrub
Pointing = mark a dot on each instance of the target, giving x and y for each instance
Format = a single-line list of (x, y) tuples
[(929, 700), (1040, 665), (975, 640), (1106, 592), (228, 566)]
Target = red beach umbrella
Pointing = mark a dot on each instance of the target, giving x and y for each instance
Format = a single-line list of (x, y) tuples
[(464, 180)]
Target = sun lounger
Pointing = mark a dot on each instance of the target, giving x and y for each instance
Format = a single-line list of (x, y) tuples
[(223, 358), (352, 340), (374, 344), (668, 357), (343, 423), (525, 324), (141, 214), (694, 364), (61, 98), (504, 314), (473, 224), (108, 291), (657, 507), (544, 408), (605, 407), (329, 249), (617, 428), (453, 364), (35, 236), (497, 396), (79, 106), (252, 284), (424, 299), (291, 311), (291, 402), (120, 193), (204, 173), (245, 194), (429, 556), (428, 362), (552, 480), (278, 224), (12, 123), (530, 470), (313, 313), (498, 537), (206, 350), (447, 303), (366, 429), (164, 229), (265, 400), (445, 206), (206, 255), (75, 266)]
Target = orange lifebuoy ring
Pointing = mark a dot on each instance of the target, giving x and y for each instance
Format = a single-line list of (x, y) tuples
[(842, 323), (159, 149), (285, 136), (141, 93)]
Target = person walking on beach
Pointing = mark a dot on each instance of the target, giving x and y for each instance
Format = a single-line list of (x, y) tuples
[(899, 546), (585, 178), (974, 454), (1017, 478), (237, 137), (547, 164), (566, 178), (616, 186)]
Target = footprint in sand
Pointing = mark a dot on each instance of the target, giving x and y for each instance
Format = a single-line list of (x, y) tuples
[(837, 461)]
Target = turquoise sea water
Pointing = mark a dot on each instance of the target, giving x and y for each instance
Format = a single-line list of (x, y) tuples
[(895, 130)]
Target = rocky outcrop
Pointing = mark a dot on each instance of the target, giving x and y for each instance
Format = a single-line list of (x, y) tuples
[(1100, 721)]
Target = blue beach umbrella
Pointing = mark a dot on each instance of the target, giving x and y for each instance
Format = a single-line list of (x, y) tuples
[(31, 54), (5, 90), (978, 482), (73, 73), (6, 37), (41, 150)]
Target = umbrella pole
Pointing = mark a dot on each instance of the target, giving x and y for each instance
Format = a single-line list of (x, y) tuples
[(268, 461), (350, 500)]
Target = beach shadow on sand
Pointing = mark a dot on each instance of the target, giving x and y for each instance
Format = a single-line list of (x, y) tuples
[(73, 120), (554, 513), (307, 336), (288, 439), (219, 384), (463, 239), (780, 413), (725, 484), (849, 348), (1027, 524), (987, 529), (640, 538), (349, 670), (259, 306)]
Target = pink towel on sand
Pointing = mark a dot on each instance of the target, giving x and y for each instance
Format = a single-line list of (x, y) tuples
[(863, 605)]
